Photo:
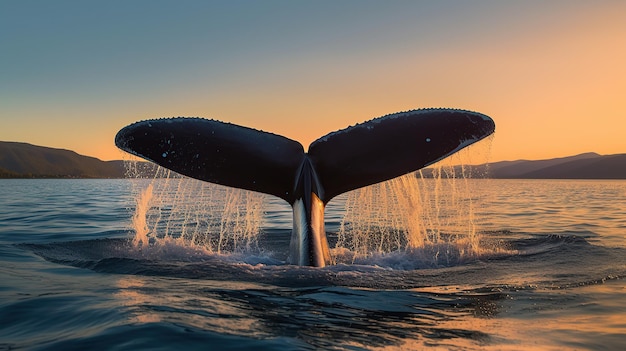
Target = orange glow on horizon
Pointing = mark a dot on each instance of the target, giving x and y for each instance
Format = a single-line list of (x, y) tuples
[(552, 81)]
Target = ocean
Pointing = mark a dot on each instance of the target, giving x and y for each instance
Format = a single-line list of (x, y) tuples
[(465, 264)]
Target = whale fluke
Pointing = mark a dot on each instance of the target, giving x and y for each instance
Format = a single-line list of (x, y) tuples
[(367, 153), (393, 145), (217, 152)]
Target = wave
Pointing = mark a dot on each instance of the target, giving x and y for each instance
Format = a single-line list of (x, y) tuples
[(540, 258)]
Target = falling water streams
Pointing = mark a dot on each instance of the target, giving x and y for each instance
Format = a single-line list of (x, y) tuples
[(428, 214)]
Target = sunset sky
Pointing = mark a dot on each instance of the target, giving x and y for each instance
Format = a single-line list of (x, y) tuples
[(552, 74)]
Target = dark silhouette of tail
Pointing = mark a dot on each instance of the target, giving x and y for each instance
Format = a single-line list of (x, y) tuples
[(361, 155)]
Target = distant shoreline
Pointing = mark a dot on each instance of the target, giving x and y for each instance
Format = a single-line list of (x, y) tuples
[(26, 161)]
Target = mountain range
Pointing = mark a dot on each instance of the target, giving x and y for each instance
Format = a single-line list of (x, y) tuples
[(22, 160), (584, 166)]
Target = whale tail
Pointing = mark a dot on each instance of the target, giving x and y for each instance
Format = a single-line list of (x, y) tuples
[(361, 155)]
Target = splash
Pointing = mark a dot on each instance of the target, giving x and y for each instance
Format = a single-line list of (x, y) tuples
[(426, 217), (422, 219), (176, 211), (139, 222)]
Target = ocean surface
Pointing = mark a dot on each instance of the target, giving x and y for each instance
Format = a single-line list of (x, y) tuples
[(470, 264)]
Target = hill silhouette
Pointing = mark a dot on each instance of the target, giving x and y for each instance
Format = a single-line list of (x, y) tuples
[(583, 166), (22, 160)]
